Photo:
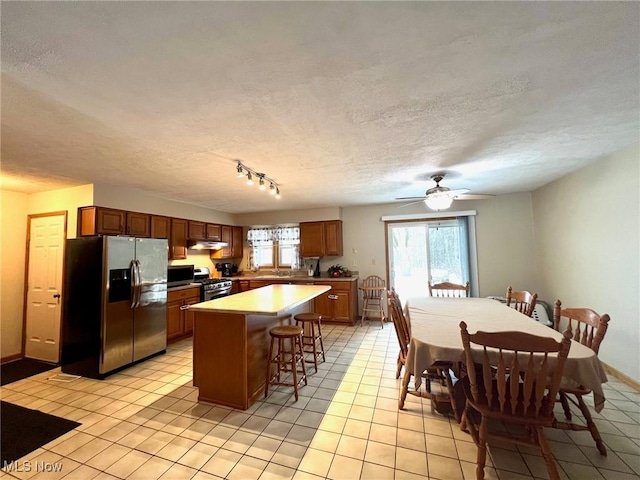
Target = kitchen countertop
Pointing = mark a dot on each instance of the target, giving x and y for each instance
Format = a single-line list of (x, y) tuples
[(297, 278), (183, 287), (269, 300)]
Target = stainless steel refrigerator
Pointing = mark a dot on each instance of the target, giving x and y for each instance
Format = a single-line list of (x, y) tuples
[(114, 303)]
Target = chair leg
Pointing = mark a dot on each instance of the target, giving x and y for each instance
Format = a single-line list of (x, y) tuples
[(269, 360), (565, 405), (452, 399), (321, 342), (294, 366), (365, 306), (482, 448), (405, 388), (313, 346), (593, 429), (546, 453), (381, 310), (399, 365)]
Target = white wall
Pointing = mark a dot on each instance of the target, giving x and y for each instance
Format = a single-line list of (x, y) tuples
[(504, 227), (588, 249), (139, 201), (13, 237)]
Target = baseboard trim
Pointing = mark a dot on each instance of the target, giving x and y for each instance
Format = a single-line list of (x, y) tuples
[(621, 376), (11, 358)]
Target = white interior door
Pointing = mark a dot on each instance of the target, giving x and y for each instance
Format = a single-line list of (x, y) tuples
[(44, 282)]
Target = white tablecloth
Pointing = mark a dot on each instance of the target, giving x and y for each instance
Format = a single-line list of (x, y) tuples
[(435, 336)]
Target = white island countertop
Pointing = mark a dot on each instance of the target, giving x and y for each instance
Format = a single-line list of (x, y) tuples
[(269, 300)]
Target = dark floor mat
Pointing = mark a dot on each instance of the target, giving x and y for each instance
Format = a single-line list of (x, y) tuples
[(24, 430), (23, 368)]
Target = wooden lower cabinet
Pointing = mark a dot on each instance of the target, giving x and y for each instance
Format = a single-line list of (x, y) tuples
[(340, 304), (179, 318)]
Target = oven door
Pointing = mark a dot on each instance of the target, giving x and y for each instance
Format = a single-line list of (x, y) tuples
[(216, 293)]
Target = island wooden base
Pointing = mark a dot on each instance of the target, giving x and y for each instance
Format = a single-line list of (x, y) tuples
[(230, 354)]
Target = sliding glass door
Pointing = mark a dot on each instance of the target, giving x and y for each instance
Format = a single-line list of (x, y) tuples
[(420, 252)]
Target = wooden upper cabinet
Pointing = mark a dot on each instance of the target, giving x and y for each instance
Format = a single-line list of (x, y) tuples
[(197, 230), (333, 238), (213, 232), (160, 226), (178, 240), (203, 231), (319, 239), (226, 234), (312, 239), (101, 221), (237, 240), (138, 224)]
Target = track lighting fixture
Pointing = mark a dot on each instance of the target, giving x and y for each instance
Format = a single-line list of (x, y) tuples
[(244, 171)]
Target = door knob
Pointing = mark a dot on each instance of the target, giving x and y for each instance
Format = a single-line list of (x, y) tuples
[(57, 297)]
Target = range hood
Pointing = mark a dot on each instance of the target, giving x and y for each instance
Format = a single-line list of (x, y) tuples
[(205, 245)]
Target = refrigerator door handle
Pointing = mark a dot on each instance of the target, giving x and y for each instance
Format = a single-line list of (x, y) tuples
[(134, 282), (138, 283)]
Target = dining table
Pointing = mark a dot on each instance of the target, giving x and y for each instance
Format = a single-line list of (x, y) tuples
[(434, 325)]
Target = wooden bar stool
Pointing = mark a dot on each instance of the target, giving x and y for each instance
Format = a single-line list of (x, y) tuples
[(286, 360), (311, 336)]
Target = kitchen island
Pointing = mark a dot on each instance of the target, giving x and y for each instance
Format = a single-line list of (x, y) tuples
[(231, 340)]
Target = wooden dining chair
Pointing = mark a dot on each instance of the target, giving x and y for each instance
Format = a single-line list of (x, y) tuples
[(401, 327), (440, 372), (523, 302), (447, 289), (373, 288), (588, 328), (514, 383)]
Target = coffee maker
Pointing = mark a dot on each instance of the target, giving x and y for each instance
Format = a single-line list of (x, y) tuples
[(227, 269)]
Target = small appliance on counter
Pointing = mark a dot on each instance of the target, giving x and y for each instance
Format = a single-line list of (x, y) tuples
[(227, 269), (178, 275)]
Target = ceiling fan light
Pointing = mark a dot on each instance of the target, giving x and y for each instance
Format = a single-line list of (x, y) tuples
[(437, 201)]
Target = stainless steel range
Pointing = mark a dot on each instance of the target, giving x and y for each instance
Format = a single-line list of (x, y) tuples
[(211, 287)]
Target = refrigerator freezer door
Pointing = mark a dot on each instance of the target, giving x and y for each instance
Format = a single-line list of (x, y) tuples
[(117, 321), (150, 316)]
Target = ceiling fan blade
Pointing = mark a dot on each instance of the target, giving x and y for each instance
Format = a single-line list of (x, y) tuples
[(473, 196), (411, 203), (457, 192), (410, 198)]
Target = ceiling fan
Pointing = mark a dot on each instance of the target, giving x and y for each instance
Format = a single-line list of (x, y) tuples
[(440, 198)]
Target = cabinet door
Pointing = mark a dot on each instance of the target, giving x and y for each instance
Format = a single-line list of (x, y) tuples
[(189, 315), (160, 226), (323, 305), (197, 230), (213, 232), (109, 221), (237, 241), (341, 306), (243, 285), (333, 238), (178, 239), (175, 320), (226, 234), (312, 239), (260, 283), (138, 224)]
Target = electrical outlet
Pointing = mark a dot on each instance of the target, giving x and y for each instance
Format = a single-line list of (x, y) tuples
[(373, 261), (354, 263)]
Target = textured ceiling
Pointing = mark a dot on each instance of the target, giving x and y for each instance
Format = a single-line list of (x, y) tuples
[(341, 103)]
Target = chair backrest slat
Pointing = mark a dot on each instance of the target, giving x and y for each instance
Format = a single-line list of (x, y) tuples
[(449, 290), (516, 370), (524, 302), (587, 326)]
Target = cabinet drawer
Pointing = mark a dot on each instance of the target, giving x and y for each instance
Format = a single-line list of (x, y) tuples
[(173, 295), (343, 286)]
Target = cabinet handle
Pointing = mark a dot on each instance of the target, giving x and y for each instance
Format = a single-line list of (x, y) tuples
[(332, 297), (184, 307)]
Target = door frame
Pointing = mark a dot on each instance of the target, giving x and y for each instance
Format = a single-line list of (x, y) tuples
[(26, 274)]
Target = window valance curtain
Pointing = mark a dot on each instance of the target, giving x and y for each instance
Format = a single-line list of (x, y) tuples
[(267, 235)]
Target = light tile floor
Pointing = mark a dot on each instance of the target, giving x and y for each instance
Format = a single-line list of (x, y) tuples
[(145, 423)]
